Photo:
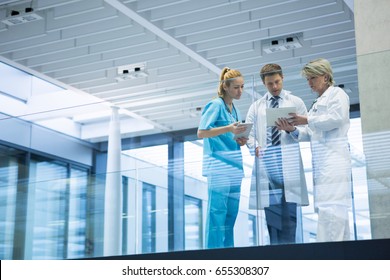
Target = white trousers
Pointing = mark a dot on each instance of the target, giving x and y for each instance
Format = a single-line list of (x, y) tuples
[(333, 223)]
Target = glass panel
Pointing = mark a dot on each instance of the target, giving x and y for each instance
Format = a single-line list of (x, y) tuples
[(77, 209), (64, 213), (131, 214), (146, 199), (47, 215), (148, 219), (360, 212), (59, 222), (193, 223), (252, 229), (9, 172)]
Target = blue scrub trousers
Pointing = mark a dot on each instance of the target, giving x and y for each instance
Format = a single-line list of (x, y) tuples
[(223, 204)]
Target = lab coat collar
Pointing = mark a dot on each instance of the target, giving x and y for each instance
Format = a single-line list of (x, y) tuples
[(326, 93)]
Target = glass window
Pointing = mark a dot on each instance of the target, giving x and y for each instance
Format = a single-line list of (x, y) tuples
[(125, 213), (10, 162), (193, 156), (146, 170), (148, 219), (47, 209), (193, 223), (252, 229), (157, 155), (130, 216), (77, 220)]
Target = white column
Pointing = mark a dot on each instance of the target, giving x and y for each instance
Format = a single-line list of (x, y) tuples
[(113, 190), (372, 26)]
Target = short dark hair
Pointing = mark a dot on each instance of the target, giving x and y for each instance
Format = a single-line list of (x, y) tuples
[(270, 70)]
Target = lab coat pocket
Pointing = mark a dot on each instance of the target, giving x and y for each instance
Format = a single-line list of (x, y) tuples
[(321, 109)]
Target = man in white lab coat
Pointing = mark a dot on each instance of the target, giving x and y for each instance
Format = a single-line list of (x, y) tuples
[(278, 181), (327, 128)]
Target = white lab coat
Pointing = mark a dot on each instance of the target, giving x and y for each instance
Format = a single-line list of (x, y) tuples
[(293, 173), (328, 125)]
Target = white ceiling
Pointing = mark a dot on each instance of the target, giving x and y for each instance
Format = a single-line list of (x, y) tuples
[(79, 45)]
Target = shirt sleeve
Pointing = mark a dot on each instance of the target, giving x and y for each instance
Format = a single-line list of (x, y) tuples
[(209, 115), (295, 134), (301, 110)]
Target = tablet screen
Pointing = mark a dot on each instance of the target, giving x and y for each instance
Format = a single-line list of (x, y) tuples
[(273, 114), (246, 132)]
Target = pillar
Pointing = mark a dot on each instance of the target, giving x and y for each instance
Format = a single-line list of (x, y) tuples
[(113, 190), (372, 23)]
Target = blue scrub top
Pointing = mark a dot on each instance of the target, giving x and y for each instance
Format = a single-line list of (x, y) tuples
[(221, 154)]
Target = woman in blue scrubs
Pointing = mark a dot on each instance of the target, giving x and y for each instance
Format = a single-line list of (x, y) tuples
[(222, 159)]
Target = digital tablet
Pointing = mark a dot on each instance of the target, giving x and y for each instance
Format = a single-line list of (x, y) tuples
[(273, 114), (246, 132)]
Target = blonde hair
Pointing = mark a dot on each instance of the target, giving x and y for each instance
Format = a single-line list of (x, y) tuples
[(227, 75), (319, 67)]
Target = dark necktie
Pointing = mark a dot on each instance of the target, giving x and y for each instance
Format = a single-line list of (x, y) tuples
[(275, 135)]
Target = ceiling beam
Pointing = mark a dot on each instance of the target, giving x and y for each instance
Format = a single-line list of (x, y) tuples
[(163, 35)]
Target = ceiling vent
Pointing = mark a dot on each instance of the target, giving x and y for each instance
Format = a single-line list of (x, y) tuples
[(131, 71), (281, 44), (17, 17)]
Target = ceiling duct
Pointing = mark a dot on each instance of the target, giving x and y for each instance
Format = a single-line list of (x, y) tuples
[(17, 17), (281, 44), (131, 71)]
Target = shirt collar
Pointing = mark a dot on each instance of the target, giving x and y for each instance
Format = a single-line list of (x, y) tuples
[(281, 95)]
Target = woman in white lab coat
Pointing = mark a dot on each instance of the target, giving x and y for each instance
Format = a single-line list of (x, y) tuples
[(327, 127)]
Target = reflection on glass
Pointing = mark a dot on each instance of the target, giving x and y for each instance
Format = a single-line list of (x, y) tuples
[(252, 229), (77, 208), (62, 214), (52, 209), (193, 223), (148, 219), (47, 213), (9, 169)]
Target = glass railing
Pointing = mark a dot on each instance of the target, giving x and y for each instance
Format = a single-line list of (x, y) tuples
[(57, 200), (58, 212)]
